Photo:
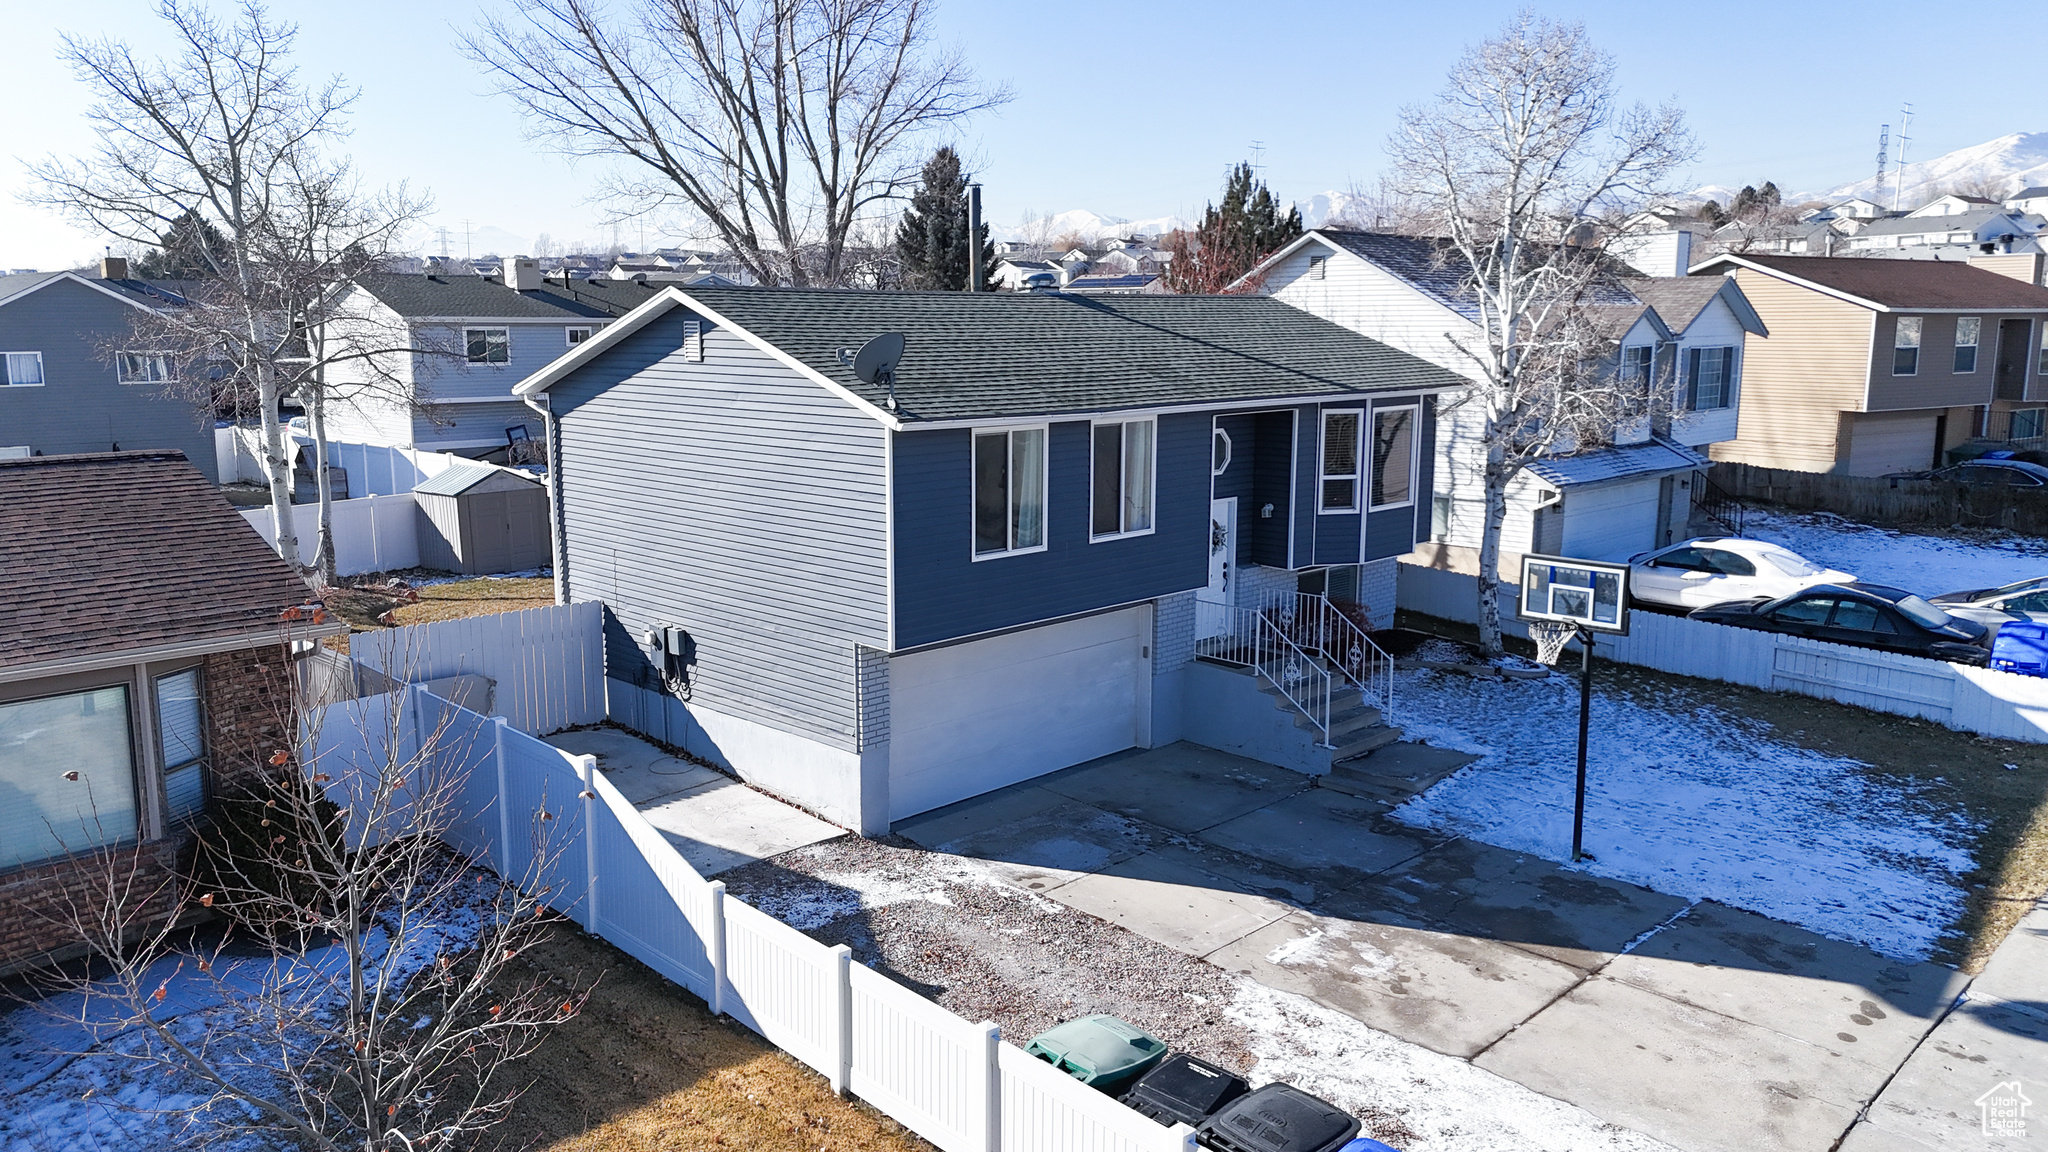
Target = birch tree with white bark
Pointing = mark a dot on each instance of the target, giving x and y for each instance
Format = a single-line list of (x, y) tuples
[(1523, 165)]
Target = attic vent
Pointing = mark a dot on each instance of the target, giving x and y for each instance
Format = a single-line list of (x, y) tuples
[(693, 340), (1316, 264)]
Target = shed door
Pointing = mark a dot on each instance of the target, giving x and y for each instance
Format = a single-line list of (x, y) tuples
[(973, 717), (1881, 442), (490, 532)]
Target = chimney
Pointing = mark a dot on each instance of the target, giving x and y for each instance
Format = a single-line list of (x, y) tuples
[(522, 273), (113, 268), (2025, 267)]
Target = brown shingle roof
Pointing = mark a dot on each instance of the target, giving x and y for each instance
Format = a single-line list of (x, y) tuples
[(118, 551), (1904, 284)]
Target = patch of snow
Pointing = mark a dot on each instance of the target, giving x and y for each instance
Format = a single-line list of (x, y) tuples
[(1296, 948), (1929, 565), (1698, 803), (1450, 1105)]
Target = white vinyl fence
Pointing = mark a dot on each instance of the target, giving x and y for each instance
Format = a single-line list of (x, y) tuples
[(371, 533), (1979, 700), (545, 665), (552, 823)]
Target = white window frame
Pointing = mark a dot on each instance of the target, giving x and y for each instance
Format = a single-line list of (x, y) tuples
[(1903, 325), (1414, 411), (2041, 355), (487, 360), (1229, 450), (2037, 416), (1044, 490), (1731, 362), (197, 761), (1152, 490), (166, 372), (1975, 345), (569, 334), (7, 376), (1323, 473), (1649, 364)]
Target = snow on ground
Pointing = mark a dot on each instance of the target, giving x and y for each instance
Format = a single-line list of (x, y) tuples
[(1450, 1104), (1697, 803), (1929, 565)]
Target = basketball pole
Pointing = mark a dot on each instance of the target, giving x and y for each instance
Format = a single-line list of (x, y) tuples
[(1585, 725)]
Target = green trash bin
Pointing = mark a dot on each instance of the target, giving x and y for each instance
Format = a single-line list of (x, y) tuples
[(1102, 1052)]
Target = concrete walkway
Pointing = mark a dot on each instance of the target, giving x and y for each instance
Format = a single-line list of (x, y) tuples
[(716, 822), (1702, 1025)]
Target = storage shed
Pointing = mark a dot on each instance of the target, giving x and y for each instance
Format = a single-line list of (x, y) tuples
[(475, 518)]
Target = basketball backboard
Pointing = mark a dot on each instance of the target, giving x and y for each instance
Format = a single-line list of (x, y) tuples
[(1592, 594)]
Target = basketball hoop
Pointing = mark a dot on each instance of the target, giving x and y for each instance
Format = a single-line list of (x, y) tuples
[(1551, 636)]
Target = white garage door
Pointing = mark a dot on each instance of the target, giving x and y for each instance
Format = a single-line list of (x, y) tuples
[(1881, 442), (1613, 521), (977, 716)]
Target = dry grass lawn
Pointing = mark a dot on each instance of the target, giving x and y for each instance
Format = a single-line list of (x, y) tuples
[(647, 1068), (365, 608)]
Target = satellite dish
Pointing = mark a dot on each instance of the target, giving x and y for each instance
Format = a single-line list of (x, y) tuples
[(876, 361)]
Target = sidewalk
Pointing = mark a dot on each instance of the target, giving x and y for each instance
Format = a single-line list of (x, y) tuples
[(1996, 1038)]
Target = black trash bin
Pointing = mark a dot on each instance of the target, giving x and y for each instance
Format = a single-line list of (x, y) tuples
[(1184, 1090), (1277, 1118)]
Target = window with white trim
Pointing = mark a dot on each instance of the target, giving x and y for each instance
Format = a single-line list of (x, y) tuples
[(577, 333), (1340, 461), (2041, 368), (1121, 481), (1968, 329), (23, 370), (180, 726), (67, 765), (1710, 378), (1906, 347), (1635, 363), (1393, 456), (2027, 423), (1009, 491), (1219, 452), (488, 345), (143, 367)]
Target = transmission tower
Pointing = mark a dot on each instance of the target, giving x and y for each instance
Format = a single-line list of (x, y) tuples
[(1899, 183)]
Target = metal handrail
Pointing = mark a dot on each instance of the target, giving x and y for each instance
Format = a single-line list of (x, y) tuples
[(1350, 651), (1296, 675)]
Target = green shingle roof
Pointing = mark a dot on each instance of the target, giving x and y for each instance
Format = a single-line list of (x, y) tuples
[(1027, 354)]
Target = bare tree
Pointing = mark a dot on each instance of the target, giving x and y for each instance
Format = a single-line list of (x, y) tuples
[(357, 990), (225, 136), (779, 123), (1524, 155)]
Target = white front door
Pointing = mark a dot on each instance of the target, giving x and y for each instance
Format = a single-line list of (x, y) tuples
[(1221, 591)]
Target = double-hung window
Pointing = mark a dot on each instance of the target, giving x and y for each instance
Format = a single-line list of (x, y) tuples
[(1635, 363), (1710, 377), (1009, 491), (487, 345), (1906, 347), (1967, 330), (1122, 485), (1340, 461), (2041, 368), (1393, 456), (143, 367), (23, 369), (68, 769), (179, 727)]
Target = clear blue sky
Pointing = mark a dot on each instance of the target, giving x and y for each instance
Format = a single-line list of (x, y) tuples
[(1128, 108)]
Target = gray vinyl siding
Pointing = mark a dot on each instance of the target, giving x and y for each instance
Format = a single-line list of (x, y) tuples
[(943, 593), (82, 405), (740, 501), (442, 377), (467, 424)]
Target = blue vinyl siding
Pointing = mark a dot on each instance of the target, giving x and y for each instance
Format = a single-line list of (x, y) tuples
[(1261, 460), (943, 594)]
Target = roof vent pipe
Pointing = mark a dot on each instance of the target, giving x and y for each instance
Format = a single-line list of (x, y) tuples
[(974, 269)]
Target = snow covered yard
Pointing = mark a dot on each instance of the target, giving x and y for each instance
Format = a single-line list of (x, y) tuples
[(1929, 565), (1695, 801)]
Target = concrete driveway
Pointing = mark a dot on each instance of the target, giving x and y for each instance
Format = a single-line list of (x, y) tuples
[(1703, 1025)]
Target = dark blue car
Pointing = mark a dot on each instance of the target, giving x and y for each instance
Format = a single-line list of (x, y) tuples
[(1862, 615)]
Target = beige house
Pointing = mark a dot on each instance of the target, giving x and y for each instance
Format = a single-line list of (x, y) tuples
[(1877, 366)]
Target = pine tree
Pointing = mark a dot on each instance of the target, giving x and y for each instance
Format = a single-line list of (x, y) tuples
[(932, 239), (190, 249), (1233, 238)]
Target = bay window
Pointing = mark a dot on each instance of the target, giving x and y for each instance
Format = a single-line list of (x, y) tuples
[(1121, 498), (68, 768), (1009, 491)]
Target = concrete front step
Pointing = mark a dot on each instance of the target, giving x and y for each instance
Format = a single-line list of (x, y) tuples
[(1356, 728)]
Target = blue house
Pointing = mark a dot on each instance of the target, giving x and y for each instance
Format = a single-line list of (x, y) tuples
[(880, 598)]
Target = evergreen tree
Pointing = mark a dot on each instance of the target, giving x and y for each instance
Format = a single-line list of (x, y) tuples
[(1232, 238), (932, 239), (190, 249)]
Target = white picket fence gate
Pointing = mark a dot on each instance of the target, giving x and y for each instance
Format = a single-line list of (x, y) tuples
[(1978, 700), (552, 823), (546, 664)]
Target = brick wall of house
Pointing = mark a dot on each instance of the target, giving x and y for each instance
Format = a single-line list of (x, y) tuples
[(248, 712), (1173, 632)]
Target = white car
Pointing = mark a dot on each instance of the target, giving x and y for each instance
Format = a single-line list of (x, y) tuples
[(1696, 573), (2024, 600)]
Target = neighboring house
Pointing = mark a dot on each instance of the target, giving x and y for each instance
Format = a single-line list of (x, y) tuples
[(1877, 366), (1854, 208), (1979, 226), (1610, 501), (66, 385), (882, 598), (1812, 236), (143, 670), (1115, 285), (2030, 201), (1011, 273), (1953, 204), (478, 337)]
